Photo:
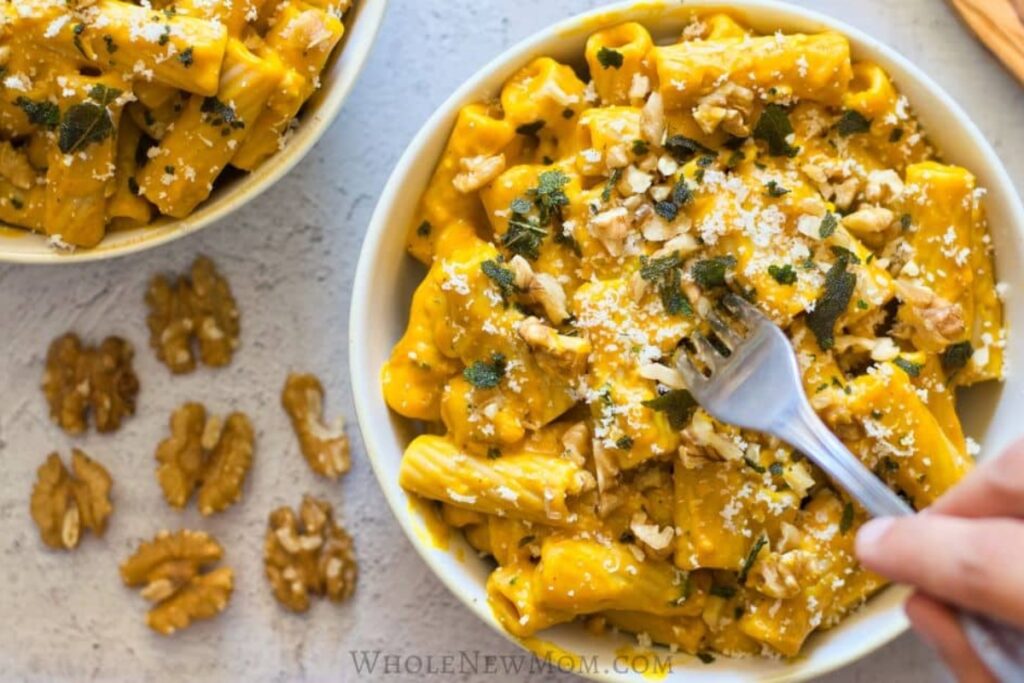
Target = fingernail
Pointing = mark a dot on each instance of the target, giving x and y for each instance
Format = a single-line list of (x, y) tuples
[(871, 534)]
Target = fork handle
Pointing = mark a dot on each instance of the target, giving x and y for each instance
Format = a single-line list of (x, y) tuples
[(999, 645)]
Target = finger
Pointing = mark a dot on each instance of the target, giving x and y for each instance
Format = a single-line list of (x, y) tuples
[(938, 626), (975, 564), (994, 489)]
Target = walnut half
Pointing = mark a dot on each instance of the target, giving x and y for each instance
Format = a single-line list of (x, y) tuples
[(64, 503), (171, 569), (200, 307), (308, 555), (83, 381), (325, 446), (205, 453)]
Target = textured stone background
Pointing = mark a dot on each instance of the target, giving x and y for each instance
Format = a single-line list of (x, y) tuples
[(290, 257)]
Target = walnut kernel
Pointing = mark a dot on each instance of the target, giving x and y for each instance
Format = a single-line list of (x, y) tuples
[(308, 555), (63, 502), (171, 570), (200, 307), (83, 381), (325, 446), (207, 454)]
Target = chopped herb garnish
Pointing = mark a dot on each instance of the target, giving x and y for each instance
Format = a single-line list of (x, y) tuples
[(846, 522), (221, 113), (839, 286), (169, 170), (775, 128), (709, 273), (723, 591), (17, 203), (853, 122), (751, 558), (752, 464), (613, 180), (486, 374), (549, 195), (844, 253), (735, 159), (493, 453), (911, 368), (640, 147), (672, 296), (828, 225), (773, 189), (424, 229), (87, 122), (896, 135), (524, 235), (504, 278), (568, 113), (77, 31), (185, 56), (677, 404), (784, 275), (683, 148), (905, 221), (776, 469), (862, 305), (530, 129), (624, 443), (609, 58), (681, 194), (955, 356), (165, 36), (108, 40), (667, 210), (654, 269), (45, 114)]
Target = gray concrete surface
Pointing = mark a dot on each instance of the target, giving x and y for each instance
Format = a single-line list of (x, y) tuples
[(290, 257)]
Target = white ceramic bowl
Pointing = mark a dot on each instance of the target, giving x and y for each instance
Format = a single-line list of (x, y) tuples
[(387, 276), (340, 74)]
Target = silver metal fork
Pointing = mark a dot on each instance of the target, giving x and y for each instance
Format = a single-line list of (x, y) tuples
[(757, 385)]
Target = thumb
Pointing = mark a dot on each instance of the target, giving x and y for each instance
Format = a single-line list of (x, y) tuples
[(973, 563)]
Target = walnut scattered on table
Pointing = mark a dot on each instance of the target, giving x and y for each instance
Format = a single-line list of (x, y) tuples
[(308, 555), (196, 310), (82, 382), (64, 503), (207, 454), (325, 446), (174, 570)]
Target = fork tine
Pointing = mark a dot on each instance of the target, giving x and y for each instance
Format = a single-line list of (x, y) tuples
[(729, 336), (691, 375), (709, 354), (742, 309)]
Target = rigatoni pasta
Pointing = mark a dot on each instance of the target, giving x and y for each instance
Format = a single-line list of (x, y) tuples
[(579, 228), (126, 110)]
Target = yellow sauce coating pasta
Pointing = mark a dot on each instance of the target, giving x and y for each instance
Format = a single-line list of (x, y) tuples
[(579, 227), (114, 112)]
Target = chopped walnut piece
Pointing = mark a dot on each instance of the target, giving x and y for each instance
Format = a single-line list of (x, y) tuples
[(83, 381), (478, 171), (308, 554), (63, 503), (207, 454), (836, 181), (937, 321), (569, 351), (652, 120), (541, 288), (324, 445), (171, 570), (727, 107), (783, 575), (868, 220), (200, 307)]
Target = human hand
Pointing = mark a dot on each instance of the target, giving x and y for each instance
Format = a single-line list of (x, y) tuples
[(965, 550)]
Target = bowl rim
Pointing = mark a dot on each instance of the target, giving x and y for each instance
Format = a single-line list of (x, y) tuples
[(365, 377), (360, 33)]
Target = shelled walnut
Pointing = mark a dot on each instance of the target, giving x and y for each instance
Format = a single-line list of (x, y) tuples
[(200, 307), (205, 453), (63, 503), (82, 382), (172, 570), (308, 555), (325, 446)]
